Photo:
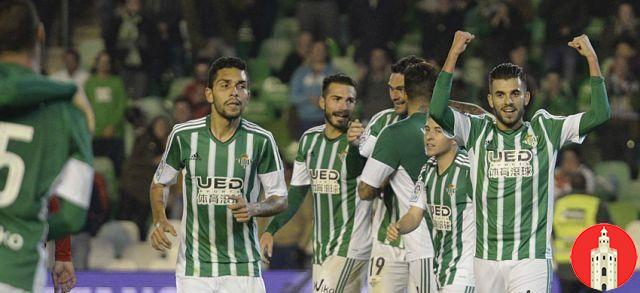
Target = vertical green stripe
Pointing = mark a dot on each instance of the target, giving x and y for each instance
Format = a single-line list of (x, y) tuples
[(221, 236), (204, 251), (189, 233)]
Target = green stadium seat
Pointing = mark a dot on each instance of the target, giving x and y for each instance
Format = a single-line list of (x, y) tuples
[(345, 65), (151, 107), (630, 191), (259, 111), (286, 28), (275, 51), (88, 50), (617, 172), (258, 71), (177, 87), (622, 212), (275, 93)]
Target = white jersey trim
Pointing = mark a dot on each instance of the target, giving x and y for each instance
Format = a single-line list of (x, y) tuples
[(273, 183), (375, 172), (74, 183)]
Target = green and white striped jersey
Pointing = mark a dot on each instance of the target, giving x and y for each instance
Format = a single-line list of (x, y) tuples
[(399, 155), (212, 242), (512, 174), (378, 122), (447, 198), (341, 221)]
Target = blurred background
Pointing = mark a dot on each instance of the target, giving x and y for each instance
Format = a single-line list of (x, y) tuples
[(143, 65)]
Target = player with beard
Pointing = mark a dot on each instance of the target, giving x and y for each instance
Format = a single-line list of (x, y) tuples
[(328, 163), (512, 168), (223, 159), (397, 159)]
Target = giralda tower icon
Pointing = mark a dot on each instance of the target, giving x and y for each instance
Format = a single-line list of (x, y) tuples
[(604, 264)]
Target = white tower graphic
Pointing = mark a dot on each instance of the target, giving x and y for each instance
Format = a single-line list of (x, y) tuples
[(604, 264)]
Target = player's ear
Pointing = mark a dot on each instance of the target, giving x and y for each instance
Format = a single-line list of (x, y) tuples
[(527, 98), (321, 102), (490, 100), (208, 94)]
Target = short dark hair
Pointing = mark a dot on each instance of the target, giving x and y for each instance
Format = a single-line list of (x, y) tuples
[(507, 71), (337, 78), (404, 62), (74, 53), (224, 62), (419, 80), (18, 25), (578, 182)]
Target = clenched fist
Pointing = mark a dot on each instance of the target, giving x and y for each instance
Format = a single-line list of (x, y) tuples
[(355, 132), (583, 46), (460, 41)]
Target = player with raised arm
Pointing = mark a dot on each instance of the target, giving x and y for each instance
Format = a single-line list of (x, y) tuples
[(45, 149), (224, 160), (443, 193), (397, 158), (512, 168), (328, 163)]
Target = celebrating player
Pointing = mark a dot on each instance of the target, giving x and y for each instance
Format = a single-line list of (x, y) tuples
[(512, 168), (44, 148), (329, 163), (397, 157), (223, 160), (444, 189)]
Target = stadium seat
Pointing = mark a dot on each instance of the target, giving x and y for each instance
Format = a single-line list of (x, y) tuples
[(101, 253), (615, 171), (275, 51), (151, 107), (259, 71), (177, 87), (634, 231), (141, 253), (275, 93), (345, 65), (286, 28), (259, 111), (89, 49), (622, 212), (104, 166), (162, 264), (121, 265), (120, 234), (630, 191)]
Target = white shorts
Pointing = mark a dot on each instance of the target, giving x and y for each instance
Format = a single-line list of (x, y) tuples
[(224, 284), (457, 288), (513, 276), (339, 274), (421, 276)]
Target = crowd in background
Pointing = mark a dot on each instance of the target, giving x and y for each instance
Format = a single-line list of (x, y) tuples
[(149, 65)]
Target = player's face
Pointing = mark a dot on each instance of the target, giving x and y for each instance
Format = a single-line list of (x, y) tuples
[(229, 93), (338, 105), (435, 142), (397, 93), (508, 98)]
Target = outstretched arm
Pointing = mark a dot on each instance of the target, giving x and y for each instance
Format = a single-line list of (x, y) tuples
[(600, 111), (409, 222), (442, 114), (297, 195)]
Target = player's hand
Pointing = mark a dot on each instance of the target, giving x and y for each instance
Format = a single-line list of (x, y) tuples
[(159, 239), (64, 276), (266, 247), (392, 232), (355, 132), (241, 210), (583, 46), (460, 41)]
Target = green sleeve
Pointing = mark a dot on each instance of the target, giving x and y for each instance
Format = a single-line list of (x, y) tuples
[(68, 220), (296, 196), (355, 163), (599, 111), (439, 109)]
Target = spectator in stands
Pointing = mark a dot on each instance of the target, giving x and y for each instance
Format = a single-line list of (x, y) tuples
[(194, 91), (72, 70), (181, 111), (554, 96), (108, 98), (374, 24), (519, 55), (623, 88), (296, 58), (623, 25), (147, 152), (439, 21), (373, 89), (127, 40), (167, 49), (306, 87), (571, 163)]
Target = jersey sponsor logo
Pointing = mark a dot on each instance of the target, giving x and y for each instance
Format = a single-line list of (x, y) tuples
[(244, 161), (322, 287), (13, 241), (510, 164), (441, 217), (325, 181), (217, 190)]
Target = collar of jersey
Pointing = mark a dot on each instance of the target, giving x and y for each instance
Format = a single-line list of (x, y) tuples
[(214, 138)]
